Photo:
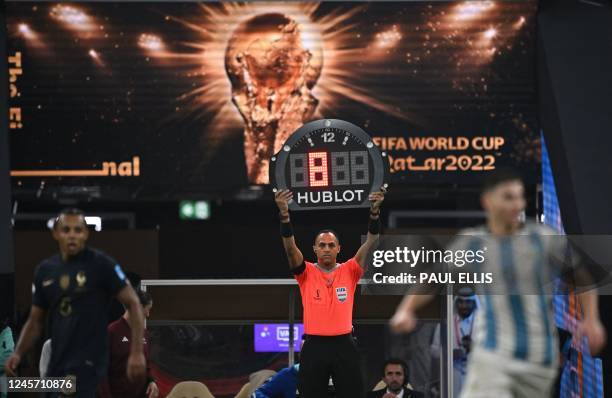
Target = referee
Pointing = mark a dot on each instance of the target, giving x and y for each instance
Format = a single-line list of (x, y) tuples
[(328, 291), (75, 288)]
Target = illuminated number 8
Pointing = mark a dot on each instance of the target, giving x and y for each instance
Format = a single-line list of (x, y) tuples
[(317, 169)]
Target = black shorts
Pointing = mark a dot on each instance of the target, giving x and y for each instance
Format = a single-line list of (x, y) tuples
[(323, 357)]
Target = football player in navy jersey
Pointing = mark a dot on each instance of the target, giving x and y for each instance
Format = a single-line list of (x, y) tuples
[(74, 288)]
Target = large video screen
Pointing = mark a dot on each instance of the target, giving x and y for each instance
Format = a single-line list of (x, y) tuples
[(153, 99)]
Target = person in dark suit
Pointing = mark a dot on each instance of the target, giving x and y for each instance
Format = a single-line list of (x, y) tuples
[(394, 377)]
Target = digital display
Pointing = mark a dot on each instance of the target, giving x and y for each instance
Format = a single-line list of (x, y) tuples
[(275, 337), (329, 164), (317, 169), (150, 100), (345, 168)]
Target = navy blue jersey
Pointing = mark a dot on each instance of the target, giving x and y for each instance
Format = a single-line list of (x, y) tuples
[(76, 294)]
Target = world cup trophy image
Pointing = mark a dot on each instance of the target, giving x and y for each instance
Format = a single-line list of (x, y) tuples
[(273, 66)]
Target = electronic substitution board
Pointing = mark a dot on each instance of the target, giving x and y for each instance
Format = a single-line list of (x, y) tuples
[(329, 164)]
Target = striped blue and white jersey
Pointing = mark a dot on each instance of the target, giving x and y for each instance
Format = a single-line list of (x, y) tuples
[(516, 318)]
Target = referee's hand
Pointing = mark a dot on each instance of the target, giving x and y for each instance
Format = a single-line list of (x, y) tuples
[(136, 367), (282, 199), (376, 199)]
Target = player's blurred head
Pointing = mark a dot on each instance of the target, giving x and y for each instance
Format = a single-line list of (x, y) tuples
[(326, 247), (394, 374), (70, 231), (503, 196), (146, 301)]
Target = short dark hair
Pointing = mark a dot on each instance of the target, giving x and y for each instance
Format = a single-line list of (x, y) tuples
[(144, 297), (69, 211), (500, 176), (328, 231), (396, 361)]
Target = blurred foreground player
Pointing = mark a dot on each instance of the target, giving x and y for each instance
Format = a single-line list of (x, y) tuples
[(116, 383), (513, 344), (75, 288), (328, 291)]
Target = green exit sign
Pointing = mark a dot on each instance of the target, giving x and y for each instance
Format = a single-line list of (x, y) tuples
[(194, 210)]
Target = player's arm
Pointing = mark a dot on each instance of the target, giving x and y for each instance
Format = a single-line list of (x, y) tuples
[(590, 325), (32, 330), (404, 319), (376, 199), (581, 271), (294, 255), (152, 389), (136, 366)]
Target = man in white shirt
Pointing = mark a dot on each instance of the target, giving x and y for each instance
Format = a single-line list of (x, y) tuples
[(466, 305)]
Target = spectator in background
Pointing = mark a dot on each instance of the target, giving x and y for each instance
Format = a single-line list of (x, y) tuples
[(281, 385), (116, 384), (395, 372), (7, 346), (466, 304)]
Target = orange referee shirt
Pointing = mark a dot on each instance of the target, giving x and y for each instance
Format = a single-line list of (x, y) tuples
[(328, 298)]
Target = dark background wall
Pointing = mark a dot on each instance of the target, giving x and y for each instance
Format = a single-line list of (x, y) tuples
[(6, 246), (575, 97), (575, 59)]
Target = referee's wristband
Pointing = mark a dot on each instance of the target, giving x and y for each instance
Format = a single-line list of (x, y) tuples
[(286, 229)]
